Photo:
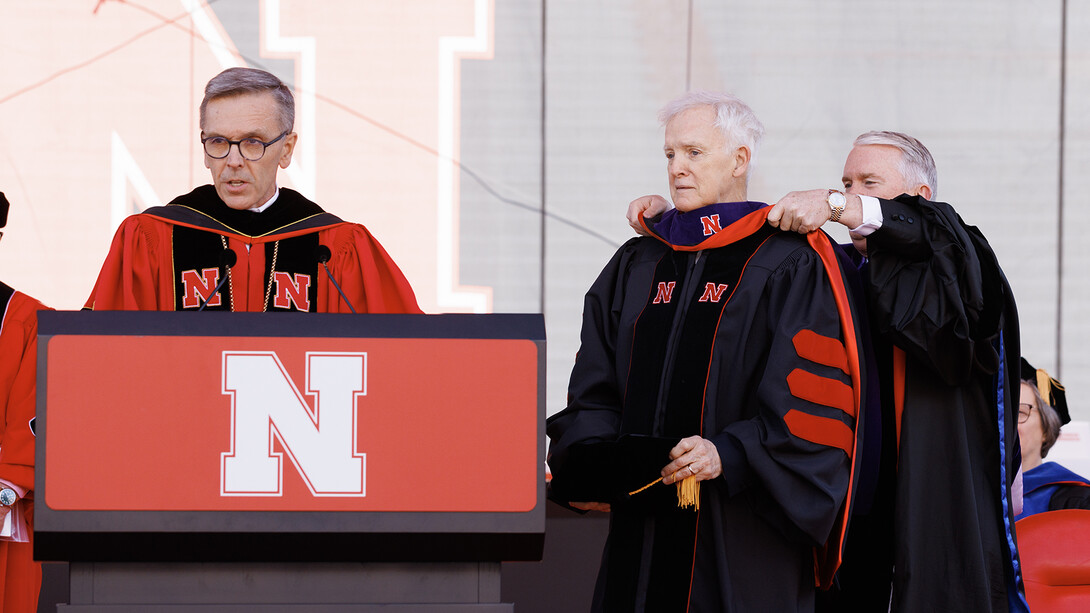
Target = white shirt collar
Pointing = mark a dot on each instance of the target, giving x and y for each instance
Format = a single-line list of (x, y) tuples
[(270, 202)]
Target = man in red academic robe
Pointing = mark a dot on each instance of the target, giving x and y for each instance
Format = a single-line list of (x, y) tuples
[(20, 575), (243, 243)]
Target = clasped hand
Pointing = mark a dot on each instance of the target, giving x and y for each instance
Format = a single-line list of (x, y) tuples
[(691, 457)]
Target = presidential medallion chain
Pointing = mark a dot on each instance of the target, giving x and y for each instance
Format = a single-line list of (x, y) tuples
[(268, 287), (272, 273), (230, 280)]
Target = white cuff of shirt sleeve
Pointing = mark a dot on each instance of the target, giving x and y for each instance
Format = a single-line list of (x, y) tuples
[(872, 216)]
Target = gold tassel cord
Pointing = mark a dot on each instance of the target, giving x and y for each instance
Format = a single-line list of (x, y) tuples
[(1045, 383), (688, 492), (633, 493)]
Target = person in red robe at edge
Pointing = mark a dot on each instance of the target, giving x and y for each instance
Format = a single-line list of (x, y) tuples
[(20, 575), (243, 243)]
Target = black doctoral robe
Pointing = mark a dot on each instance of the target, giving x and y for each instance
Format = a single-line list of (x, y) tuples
[(749, 340), (938, 295)]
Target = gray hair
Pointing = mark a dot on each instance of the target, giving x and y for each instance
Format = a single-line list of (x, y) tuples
[(737, 122), (238, 81), (917, 166), (1050, 419)]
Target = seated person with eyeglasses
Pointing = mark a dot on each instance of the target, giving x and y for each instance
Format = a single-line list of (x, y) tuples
[(242, 243), (1042, 409)]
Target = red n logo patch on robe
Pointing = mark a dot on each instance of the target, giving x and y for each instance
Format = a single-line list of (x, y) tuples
[(291, 289), (199, 287), (664, 292), (713, 292), (711, 225)]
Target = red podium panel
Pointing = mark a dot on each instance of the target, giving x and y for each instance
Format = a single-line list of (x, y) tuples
[(221, 436)]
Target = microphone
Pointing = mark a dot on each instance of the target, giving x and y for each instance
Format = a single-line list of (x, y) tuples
[(323, 254), (227, 260)]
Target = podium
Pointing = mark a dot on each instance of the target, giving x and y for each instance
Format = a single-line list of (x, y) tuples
[(229, 462)]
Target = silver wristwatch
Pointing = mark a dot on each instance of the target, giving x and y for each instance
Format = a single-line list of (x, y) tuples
[(8, 497)]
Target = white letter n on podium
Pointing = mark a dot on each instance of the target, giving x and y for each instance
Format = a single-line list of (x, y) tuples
[(266, 406)]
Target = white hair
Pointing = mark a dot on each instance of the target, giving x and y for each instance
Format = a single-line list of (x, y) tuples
[(737, 122)]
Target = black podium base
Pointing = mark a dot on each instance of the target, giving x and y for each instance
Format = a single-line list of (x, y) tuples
[(284, 588)]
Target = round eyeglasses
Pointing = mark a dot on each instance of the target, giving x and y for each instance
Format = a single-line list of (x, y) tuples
[(1024, 411), (252, 149)]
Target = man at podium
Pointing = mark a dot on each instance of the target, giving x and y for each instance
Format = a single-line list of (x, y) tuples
[(243, 243)]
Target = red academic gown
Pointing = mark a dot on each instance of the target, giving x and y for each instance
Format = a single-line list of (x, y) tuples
[(172, 257), (20, 575)]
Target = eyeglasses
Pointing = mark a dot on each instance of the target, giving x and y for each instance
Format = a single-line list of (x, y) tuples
[(252, 149), (1024, 410)]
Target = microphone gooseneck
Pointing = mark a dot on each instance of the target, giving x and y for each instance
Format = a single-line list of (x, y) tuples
[(323, 254), (228, 258)]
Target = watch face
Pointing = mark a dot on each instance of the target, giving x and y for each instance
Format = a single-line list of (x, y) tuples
[(837, 200), (7, 497)]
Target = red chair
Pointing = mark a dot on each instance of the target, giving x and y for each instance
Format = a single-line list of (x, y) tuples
[(1055, 551)]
